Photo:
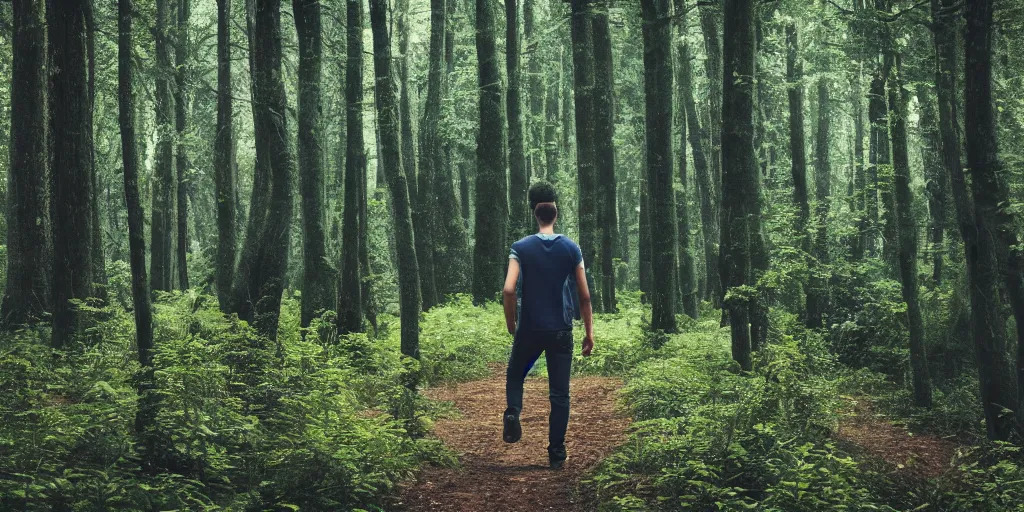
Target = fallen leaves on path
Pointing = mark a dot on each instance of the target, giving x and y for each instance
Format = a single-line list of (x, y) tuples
[(496, 476), (917, 456)]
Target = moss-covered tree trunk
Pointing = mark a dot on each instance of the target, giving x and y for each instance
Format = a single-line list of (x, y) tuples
[(71, 184), (907, 236), (224, 160), (818, 293), (181, 163), (582, 35), (741, 195), (491, 224), (797, 144), (520, 218), (27, 293), (394, 173), (318, 284), (604, 152), (859, 177), (936, 180), (162, 215), (350, 297), (657, 35), (687, 283), (995, 224), (536, 94)]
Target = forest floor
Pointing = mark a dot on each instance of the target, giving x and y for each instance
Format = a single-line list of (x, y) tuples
[(872, 434), (494, 475)]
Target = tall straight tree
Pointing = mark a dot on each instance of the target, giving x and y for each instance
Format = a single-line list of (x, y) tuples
[(492, 208), (391, 165), (907, 232), (817, 297), (994, 374), (224, 159), (797, 145), (71, 184), (604, 151), (687, 283), (181, 164), (96, 250), (581, 32), (520, 219), (129, 155), (703, 176), (259, 282), (709, 23), (995, 224), (350, 297), (163, 166), (657, 35), (535, 92), (26, 295), (741, 195), (936, 179), (317, 287)]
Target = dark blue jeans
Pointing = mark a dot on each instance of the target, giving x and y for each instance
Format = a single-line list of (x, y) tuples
[(557, 347)]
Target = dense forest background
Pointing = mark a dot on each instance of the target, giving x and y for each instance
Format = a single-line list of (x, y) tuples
[(242, 236)]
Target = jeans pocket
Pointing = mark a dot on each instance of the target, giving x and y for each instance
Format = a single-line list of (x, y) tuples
[(563, 343)]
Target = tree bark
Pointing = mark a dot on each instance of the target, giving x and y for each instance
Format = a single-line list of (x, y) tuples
[(997, 237), (163, 172), (492, 208), (687, 283), (394, 172), (798, 151), (741, 191), (709, 23), (657, 35), (582, 35), (604, 153), (96, 247), (818, 293), (224, 160), (936, 181), (536, 93), (860, 179), (907, 235), (27, 293), (521, 221), (180, 125), (350, 298), (317, 276), (71, 184)]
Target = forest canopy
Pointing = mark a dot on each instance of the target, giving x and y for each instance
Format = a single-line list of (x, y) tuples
[(244, 240)]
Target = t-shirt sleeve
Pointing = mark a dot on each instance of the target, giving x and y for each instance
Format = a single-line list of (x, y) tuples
[(577, 255), (513, 255)]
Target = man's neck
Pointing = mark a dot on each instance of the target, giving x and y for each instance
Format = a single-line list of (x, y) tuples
[(547, 230)]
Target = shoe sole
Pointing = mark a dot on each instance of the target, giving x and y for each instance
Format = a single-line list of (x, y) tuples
[(557, 464), (513, 431)]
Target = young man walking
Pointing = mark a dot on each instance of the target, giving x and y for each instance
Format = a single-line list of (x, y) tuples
[(548, 270)]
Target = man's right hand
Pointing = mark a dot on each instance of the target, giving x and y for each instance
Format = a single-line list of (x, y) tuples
[(588, 345)]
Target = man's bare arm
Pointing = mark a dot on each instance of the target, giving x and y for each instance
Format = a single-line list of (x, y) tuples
[(586, 309), (508, 294)]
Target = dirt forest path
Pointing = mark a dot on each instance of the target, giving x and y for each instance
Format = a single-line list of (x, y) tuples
[(515, 477)]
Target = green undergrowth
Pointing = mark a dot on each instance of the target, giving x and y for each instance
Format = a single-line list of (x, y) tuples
[(243, 423)]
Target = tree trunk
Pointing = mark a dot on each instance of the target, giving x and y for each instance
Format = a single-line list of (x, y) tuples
[(936, 181), (391, 165), (704, 178), (817, 297), (657, 35), (96, 250), (163, 167), (907, 233), (997, 237), (604, 153), (521, 221), (71, 184), (224, 160), (350, 297), (449, 231), (581, 30), (492, 208), (552, 102), (741, 191), (136, 228), (318, 283), (687, 283), (180, 125), (860, 188), (259, 282), (798, 152), (535, 92), (709, 23), (27, 293)]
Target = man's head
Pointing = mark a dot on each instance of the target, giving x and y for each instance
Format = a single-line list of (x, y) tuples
[(543, 199)]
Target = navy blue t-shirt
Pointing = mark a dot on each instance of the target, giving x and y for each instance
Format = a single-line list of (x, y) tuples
[(547, 282)]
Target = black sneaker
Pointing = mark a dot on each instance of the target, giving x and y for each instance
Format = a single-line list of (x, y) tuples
[(557, 457), (513, 430)]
